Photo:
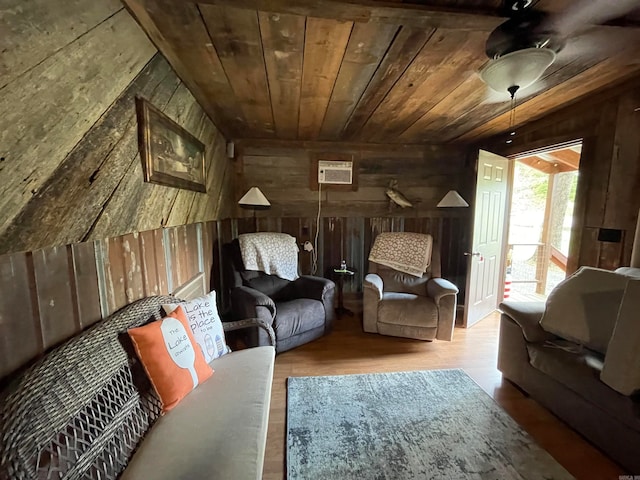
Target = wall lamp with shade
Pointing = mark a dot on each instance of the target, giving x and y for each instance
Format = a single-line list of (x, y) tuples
[(254, 200), (452, 199)]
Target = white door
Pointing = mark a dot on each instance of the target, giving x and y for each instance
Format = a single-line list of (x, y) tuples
[(484, 278)]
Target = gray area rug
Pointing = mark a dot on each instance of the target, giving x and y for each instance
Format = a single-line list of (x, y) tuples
[(408, 425)]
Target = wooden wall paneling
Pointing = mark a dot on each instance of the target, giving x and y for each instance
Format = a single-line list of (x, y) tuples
[(205, 207), (65, 208), (226, 231), (20, 330), (246, 225), (178, 251), (268, 224), (587, 166), (53, 290), (114, 293), (198, 124), (178, 30), (87, 294), (194, 248), (324, 47), (136, 205), (355, 255), (38, 134), (38, 29), (433, 74), (366, 48), (209, 243), (307, 232), (161, 247), (624, 178), (283, 44), (598, 181), (148, 262), (236, 38), (134, 283), (331, 227), (406, 45)]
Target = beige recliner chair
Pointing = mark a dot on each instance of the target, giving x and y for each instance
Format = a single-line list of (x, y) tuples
[(401, 298)]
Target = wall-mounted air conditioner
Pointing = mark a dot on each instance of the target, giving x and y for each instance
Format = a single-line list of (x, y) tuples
[(335, 172)]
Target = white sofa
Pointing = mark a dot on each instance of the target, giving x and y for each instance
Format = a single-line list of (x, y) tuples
[(86, 410)]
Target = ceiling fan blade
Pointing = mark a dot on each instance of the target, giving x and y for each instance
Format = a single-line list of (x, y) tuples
[(584, 13)]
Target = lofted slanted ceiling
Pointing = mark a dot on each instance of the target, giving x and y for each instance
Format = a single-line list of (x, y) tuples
[(368, 71)]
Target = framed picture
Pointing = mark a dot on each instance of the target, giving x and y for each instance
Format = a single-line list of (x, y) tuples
[(170, 155)]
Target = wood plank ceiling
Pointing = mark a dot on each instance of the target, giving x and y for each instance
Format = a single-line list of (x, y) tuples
[(367, 72)]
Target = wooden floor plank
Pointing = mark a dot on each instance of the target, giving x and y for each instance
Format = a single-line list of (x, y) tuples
[(348, 350)]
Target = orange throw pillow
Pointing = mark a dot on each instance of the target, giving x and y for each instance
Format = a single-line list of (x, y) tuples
[(170, 356)]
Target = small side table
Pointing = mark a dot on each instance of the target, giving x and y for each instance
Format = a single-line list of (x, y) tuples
[(340, 275)]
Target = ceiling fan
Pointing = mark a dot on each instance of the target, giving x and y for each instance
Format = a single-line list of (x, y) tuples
[(524, 46)]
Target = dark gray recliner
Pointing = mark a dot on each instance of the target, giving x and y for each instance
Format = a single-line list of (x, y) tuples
[(299, 311)]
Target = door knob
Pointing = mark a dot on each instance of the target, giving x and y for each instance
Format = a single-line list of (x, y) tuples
[(474, 254)]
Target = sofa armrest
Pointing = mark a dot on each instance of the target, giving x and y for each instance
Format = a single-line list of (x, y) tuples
[(445, 296), (527, 315), (251, 322), (437, 288), (374, 283), (245, 302), (316, 288), (373, 288)]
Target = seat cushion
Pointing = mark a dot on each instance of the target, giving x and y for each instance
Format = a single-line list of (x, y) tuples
[(217, 431), (580, 372), (297, 316), (407, 315)]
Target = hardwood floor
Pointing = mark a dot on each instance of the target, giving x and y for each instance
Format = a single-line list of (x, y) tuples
[(348, 350)]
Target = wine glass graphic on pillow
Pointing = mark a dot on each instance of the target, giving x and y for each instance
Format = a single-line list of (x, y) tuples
[(179, 347)]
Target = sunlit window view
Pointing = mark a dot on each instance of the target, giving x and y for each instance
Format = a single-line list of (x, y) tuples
[(544, 190)]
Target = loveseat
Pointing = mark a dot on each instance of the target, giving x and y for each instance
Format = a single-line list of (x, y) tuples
[(578, 354), (86, 410)]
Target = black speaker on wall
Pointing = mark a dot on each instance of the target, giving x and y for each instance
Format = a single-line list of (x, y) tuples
[(612, 235)]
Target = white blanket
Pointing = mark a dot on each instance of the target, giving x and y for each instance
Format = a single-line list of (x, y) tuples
[(272, 253)]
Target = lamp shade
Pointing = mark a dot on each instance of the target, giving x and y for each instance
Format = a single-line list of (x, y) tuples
[(452, 199), (254, 199), (517, 69)]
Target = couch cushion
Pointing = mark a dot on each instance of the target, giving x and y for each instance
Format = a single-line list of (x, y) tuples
[(171, 357), (584, 307), (622, 364), (408, 310), (579, 370), (297, 316), (219, 430)]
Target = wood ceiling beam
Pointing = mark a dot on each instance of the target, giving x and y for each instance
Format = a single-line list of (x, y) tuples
[(337, 146), (567, 157), (544, 166), (422, 16)]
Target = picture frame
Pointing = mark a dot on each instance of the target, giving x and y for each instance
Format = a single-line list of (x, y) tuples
[(170, 155)]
